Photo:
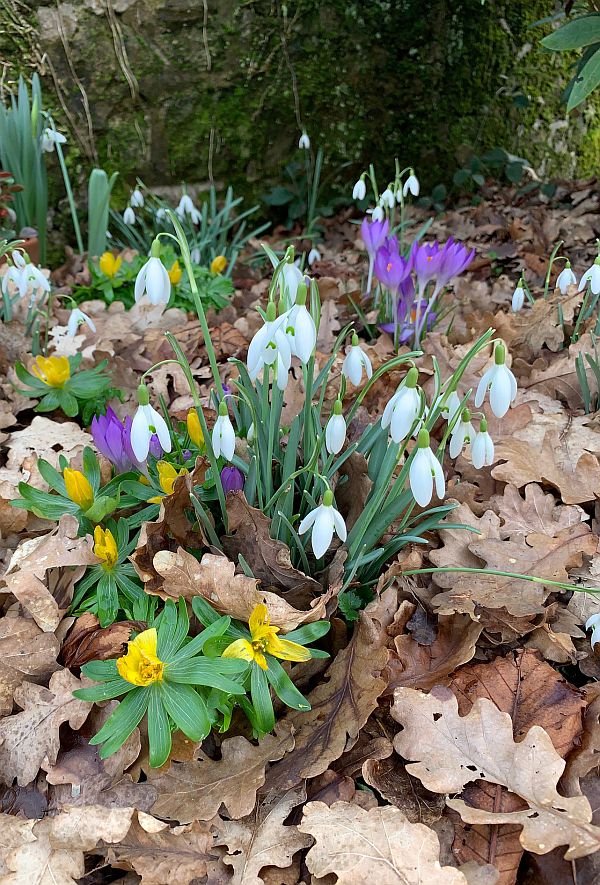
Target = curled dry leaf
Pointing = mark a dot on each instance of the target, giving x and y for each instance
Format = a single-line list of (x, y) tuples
[(381, 845), (88, 641), (26, 575), (31, 739), (25, 650), (196, 790), (392, 781), (451, 751)]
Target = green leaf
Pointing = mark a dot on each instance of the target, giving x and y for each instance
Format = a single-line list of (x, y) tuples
[(105, 691), (187, 710), (159, 728), (284, 687), (195, 645), (204, 611), (100, 670), (309, 632), (66, 401), (108, 600), (261, 699), (208, 671), (122, 722), (585, 81), (101, 508), (579, 32)]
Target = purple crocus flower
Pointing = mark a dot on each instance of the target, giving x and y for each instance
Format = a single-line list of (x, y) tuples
[(426, 259), (373, 233), (155, 448), (406, 319), (391, 269), (113, 440), (454, 258), (232, 479)]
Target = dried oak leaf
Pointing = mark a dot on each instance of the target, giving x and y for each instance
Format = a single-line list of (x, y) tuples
[(381, 844), (25, 650), (587, 755), (214, 578), (392, 781), (51, 851), (161, 855), (197, 789), (539, 513), (451, 751), (26, 577), (261, 839), (31, 739), (540, 325), (88, 641), (46, 439)]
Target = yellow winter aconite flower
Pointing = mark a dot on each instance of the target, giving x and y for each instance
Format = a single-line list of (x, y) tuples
[(263, 640), (175, 273), (52, 370), (109, 264), (79, 489), (167, 474), (218, 264), (194, 428), (141, 666), (105, 548)]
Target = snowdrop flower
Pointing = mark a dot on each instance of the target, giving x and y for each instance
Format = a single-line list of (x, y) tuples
[(591, 276), (186, 207), (387, 198), (462, 435), (76, 319), (565, 279), (137, 198), (451, 407), (335, 432), (356, 360), (161, 214), (404, 408), (250, 436), (290, 278), (378, 214), (313, 255), (424, 470), (268, 344), (518, 298), (501, 383), (223, 435), (195, 256), (482, 448), (304, 142), (24, 274), (359, 191), (50, 138), (153, 279), (129, 216), (323, 520), (147, 422), (411, 184), (300, 329), (593, 624)]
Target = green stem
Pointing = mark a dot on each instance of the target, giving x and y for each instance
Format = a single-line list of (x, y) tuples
[(70, 198), (490, 571)]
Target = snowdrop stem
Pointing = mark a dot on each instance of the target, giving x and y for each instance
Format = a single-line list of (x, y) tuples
[(69, 190), (373, 181), (553, 257), (157, 365), (378, 493), (490, 571)]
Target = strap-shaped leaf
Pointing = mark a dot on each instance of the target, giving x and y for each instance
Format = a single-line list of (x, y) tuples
[(195, 645), (261, 699), (159, 727), (187, 710), (208, 671), (125, 718), (284, 687), (105, 691), (585, 81)]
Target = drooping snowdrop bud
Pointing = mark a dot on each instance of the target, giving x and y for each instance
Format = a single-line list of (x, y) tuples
[(137, 198), (387, 198), (195, 255), (518, 299), (462, 435), (404, 408), (323, 520), (223, 435), (335, 432), (356, 360), (147, 422), (186, 207), (76, 318), (129, 216), (290, 279), (304, 142), (268, 343), (378, 214), (482, 448), (251, 435), (50, 138), (153, 279), (501, 383), (565, 279), (424, 470), (300, 327), (359, 191), (593, 624), (591, 276), (411, 184), (313, 255), (451, 407)]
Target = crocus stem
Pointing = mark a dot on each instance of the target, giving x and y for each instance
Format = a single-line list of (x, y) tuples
[(370, 275), (490, 571), (423, 324), (69, 190)]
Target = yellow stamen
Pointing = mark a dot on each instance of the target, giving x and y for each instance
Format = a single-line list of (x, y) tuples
[(109, 264), (78, 488), (141, 666), (52, 370), (105, 548), (264, 640)]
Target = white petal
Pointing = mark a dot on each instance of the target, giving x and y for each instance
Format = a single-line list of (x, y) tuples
[(352, 366), (438, 473), (335, 434), (308, 520), (457, 440), (478, 451), (227, 438), (406, 412), (158, 284), (162, 429), (593, 621), (322, 533), (595, 278), (483, 386), (501, 394), (420, 478), (140, 435), (305, 336), (140, 283), (389, 409), (339, 524), (73, 322), (489, 449), (216, 437)]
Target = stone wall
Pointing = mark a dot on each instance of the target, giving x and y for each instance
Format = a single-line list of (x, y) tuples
[(175, 90)]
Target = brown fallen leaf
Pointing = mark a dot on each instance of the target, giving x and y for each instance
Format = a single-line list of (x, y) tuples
[(47, 439), (529, 330), (23, 801), (262, 839), (587, 755), (392, 781), (196, 790), (452, 751), (539, 513), (361, 846), (26, 577), (351, 495), (87, 641), (31, 739), (25, 650)]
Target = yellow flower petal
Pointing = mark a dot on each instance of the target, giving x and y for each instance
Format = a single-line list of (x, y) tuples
[(259, 618), (109, 265), (218, 264), (261, 660), (141, 666), (194, 428), (52, 370), (286, 649), (105, 547), (78, 488), (241, 649), (175, 273)]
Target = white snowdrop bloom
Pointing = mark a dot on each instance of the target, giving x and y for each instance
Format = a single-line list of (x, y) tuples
[(24, 274), (518, 299), (593, 624), (378, 214), (269, 343), (565, 279), (137, 199), (335, 432), (282, 368), (501, 383), (355, 362), (161, 213), (50, 138), (313, 255), (195, 256), (462, 435), (387, 198), (482, 447), (411, 184), (153, 279), (451, 407), (591, 276), (186, 207), (129, 216), (323, 520), (425, 469), (404, 407), (300, 329), (76, 318), (223, 435), (147, 422), (359, 191), (304, 142), (251, 435), (290, 278)]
